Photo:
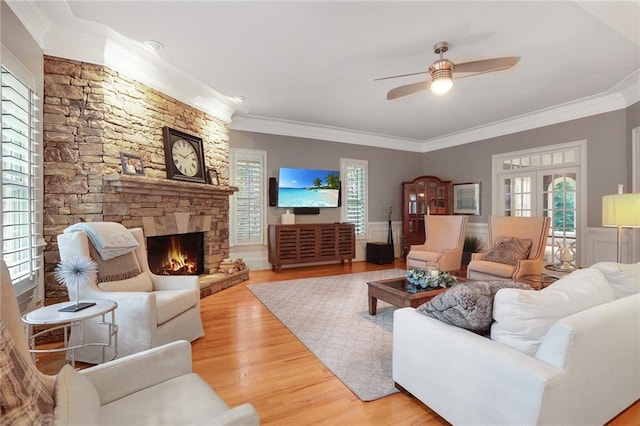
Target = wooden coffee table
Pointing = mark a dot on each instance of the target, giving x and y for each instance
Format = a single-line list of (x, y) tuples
[(394, 291)]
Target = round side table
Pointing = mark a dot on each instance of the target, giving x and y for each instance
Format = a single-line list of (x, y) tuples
[(51, 317)]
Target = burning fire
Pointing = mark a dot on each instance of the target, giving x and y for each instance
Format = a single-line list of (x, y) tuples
[(176, 261)]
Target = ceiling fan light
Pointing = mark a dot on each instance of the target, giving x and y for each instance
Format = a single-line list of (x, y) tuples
[(441, 80), (441, 85)]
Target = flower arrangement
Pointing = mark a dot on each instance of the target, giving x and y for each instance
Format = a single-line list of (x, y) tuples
[(422, 280), (76, 271)]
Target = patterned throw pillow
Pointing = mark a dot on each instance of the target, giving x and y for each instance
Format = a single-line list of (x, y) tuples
[(508, 250), (468, 305), (24, 400)]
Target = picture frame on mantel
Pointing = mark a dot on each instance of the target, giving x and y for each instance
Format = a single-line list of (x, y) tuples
[(131, 164), (466, 198), (213, 177)]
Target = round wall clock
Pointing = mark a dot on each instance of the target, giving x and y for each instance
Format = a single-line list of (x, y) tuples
[(184, 156)]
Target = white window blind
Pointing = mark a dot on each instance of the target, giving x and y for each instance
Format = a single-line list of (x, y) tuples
[(248, 207), (20, 182), (354, 208)]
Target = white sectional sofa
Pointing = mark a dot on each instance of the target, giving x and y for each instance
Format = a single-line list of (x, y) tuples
[(565, 355)]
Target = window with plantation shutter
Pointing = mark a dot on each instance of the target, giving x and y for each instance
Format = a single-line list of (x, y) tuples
[(248, 204), (354, 187), (21, 220)]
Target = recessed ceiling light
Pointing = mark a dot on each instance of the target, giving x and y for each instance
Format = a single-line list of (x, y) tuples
[(154, 46)]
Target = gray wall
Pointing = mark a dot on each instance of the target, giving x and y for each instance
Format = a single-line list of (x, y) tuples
[(15, 37), (608, 139), (387, 169)]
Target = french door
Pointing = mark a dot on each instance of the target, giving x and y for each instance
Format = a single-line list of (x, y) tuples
[(537, 183)]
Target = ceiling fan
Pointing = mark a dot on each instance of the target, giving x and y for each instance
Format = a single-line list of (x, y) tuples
[(443, 69)]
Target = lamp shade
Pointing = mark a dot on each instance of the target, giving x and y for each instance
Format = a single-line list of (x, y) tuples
[(621, 210)]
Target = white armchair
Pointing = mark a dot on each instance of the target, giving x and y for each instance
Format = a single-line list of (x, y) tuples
[(152, 309), (155, 387), (443, 244)]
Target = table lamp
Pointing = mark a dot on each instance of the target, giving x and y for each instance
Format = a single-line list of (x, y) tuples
[(622, 211)]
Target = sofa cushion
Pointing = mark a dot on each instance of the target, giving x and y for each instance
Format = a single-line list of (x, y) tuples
[(183, 400), (522, 318), (623, 278), (24, 400), (172, 303), (141, 282), (467, 305), (77, 400), (508, 250), (424, 256), (494, 269)]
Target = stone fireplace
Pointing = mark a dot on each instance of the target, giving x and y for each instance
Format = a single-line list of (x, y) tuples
[(167, 207), (91, 115)]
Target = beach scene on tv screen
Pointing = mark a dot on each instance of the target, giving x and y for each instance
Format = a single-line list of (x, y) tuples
[(308, 188)]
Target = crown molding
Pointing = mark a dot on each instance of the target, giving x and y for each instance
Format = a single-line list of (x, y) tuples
[(94, 43), (76, 39), (260, 124), (620, 96), (545, 117)]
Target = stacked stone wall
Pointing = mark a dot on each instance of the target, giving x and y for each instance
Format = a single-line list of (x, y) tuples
[(91, 115)]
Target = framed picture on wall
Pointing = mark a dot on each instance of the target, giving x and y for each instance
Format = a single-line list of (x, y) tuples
[(213, 177), (466, 198), (131, 164)]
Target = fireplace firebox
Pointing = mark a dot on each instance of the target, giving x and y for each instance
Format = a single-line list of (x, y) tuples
[(178, 254)]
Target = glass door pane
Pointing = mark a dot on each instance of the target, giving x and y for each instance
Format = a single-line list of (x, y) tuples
[(517, 195), (559, 199)]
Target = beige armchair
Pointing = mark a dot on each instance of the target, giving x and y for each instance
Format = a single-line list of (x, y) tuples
[(534, 229), (443, 244), (151, 387), (152, 309)]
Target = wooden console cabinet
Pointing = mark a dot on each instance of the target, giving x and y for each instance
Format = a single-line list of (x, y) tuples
[(422, 194), (315, 242)]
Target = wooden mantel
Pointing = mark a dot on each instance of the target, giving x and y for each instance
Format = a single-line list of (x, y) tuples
[(145, 185)]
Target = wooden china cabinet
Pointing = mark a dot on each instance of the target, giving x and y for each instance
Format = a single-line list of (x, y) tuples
[(422, 193)]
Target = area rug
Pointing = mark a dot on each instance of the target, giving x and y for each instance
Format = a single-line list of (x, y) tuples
[(330, 315)]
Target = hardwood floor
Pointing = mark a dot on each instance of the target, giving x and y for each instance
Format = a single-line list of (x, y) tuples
[(247, 355)]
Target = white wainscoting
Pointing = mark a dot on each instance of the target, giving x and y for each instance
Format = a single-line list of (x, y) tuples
[(377, 232), (256, 257), (600, 245), (480, 230)]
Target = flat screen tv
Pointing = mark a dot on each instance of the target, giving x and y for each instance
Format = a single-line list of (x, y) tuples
[(308, 188)]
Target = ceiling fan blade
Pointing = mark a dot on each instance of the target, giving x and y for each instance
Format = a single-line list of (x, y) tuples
[(486, 65), (401, 75), (407, 89)]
